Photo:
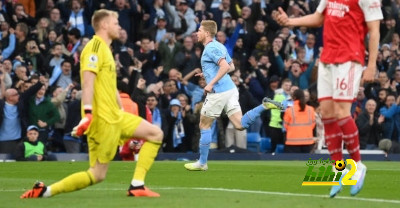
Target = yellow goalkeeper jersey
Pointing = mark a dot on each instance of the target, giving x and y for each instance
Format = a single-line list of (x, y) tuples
[(97, 57)]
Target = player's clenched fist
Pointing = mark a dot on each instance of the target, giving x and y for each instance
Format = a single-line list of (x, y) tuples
[(78, 130)]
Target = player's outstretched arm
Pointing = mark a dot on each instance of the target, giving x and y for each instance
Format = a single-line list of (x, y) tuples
[(87, 98), (312, 20)]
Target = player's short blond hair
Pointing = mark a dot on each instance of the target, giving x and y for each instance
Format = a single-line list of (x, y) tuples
[(209, 26), (100, 15)]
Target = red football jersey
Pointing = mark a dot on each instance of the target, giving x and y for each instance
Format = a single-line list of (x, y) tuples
[(345, 28)]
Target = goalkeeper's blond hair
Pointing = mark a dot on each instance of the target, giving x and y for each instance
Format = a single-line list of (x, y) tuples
[(100, 15)]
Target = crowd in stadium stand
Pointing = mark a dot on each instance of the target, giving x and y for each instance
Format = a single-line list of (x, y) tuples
[(157, 57)]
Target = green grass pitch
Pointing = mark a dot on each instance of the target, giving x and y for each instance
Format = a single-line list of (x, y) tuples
[(225, 184)]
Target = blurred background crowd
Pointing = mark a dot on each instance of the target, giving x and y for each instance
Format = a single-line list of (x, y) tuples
[(157, 56)]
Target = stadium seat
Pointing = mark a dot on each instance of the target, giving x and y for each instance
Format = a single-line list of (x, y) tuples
[(265, 144), (253, 141), (280, 148)]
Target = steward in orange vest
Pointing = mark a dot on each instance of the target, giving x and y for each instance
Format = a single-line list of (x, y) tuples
[(299, 122)]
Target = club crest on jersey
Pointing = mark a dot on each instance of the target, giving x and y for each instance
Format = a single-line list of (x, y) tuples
[(337, 9)]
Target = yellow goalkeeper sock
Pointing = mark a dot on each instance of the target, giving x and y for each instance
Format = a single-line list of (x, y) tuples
[(147, 154), (73, 182)]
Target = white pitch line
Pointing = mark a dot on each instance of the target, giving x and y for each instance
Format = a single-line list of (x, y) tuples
[(296, 194), (243, 191)]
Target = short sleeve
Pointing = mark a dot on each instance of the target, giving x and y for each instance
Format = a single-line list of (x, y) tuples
[(215, 54), (371, 9), (91, 61), (321, 6)]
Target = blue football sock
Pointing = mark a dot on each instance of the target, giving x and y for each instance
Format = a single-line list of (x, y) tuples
[(251, 116), (204, 147)]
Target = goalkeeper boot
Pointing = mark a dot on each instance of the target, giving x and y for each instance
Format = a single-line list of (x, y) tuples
[(37, 191), (196, 166), (141, 191), (337, 189), (271, 104), (359, 176)]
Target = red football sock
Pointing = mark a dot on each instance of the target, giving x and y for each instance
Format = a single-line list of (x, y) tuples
[(350, 137), (333, 138)]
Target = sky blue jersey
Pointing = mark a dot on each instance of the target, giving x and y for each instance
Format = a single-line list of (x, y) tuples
[(212, 55)]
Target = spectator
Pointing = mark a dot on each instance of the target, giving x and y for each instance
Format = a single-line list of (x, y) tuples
[(261, 47), (56, 22), (169, 92), (150, 59), (358, 105), (273, 85), (383, 82), (275, 125), (29, 6), (7, 65), (49, 43), (33, 54), (369, 124), (251, 39), (183, 11), (390, 111), (168, 48), (123, 50), (21, 33), (175, 134), (20, 16), (8, 41), (157, 115), (299, 78), (310, 49), (20, 76), (186, 60), (13, 117), (42, 113), (78, 17), (302, 34), (155, 89), (158, 31), (189, 120), (42, 29), (299, 122), (74, 40), (65, 79), (128, 12), (201, 12), (6, 81), (175, 75), (3, 13), (32, 149), (57, 56), (155, 10), (59, 99), (195, 91), (72, 144), (222, 37), (381, 99)]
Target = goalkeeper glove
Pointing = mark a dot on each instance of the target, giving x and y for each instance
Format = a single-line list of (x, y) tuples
[(78, 130)]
